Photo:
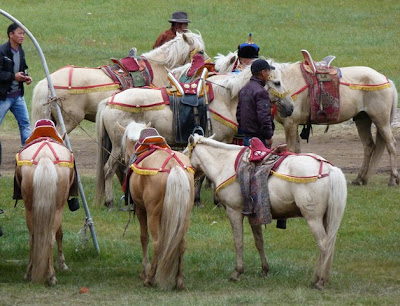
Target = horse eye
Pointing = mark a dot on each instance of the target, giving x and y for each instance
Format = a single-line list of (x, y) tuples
[(201, 52), (277, 83)]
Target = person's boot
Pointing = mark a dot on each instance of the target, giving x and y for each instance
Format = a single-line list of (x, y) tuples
[(73, 204), (281, 223), (1, 232)]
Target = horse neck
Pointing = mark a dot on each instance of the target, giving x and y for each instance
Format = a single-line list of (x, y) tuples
[(292, 76), (210, 162)]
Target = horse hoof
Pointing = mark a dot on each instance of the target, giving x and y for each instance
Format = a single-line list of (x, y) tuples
[(62, 267), (199, 204), (180, 285), (52, 281), (235, 277), (147, 283), (319, 285), (27, 277)]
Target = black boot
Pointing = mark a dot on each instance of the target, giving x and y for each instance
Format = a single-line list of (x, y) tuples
[(1, 232), (73, 204), (281, 223)]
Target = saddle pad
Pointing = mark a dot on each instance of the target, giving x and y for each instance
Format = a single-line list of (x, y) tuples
[(324, 96), (189, 114)]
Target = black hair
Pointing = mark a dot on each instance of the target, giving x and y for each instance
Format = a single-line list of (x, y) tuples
[(11, 28)]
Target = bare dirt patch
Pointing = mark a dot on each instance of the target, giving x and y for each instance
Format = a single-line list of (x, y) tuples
[(340, 145)]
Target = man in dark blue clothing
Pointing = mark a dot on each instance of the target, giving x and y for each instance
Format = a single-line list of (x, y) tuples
[(13, 74), (253, 111)]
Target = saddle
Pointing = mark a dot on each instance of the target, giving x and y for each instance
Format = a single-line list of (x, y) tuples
[(188, 101), (323, 82), (148, 137), (130, 72), (44, 128)]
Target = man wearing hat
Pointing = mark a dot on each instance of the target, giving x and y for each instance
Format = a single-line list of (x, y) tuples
[(253, 111), (248, 51), (179, 24)]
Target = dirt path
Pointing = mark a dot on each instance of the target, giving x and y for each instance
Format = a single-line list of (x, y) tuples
[(340, 145)]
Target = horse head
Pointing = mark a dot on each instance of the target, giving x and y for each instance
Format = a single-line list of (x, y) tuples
[(278, 94), (225, 63), (130, 137), (178, 51)]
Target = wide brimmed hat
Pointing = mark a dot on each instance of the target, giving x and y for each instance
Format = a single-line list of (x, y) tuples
[(179, 17)]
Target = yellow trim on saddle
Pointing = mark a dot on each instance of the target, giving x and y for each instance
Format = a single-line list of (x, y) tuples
[(225, 122), (292, 179), (226, 183), (369, 87), (142, 171), (30, 162), (81, 91), (135, 109)]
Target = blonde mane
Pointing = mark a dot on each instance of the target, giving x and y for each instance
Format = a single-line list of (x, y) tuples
[(177, 51)]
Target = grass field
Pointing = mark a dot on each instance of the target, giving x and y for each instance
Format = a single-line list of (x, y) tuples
[(366, 267)]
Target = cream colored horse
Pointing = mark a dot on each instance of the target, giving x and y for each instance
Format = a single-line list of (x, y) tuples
[(163, 202), (91, 85), (222, 112), (45, 174), (320, 201), (366, 96)]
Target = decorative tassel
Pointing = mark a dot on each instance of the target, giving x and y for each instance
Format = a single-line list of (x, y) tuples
[(226, 183), (134, 108), (293, 179), (77, 91), (225, 122)]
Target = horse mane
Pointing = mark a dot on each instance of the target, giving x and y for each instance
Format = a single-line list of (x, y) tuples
[(176, 50), (214, 143), (223, 63), (132, 132), (233, 81)]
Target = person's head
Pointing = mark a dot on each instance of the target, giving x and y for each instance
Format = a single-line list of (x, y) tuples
[(179, 21), (261, 69), (248, 51), (16, 34)]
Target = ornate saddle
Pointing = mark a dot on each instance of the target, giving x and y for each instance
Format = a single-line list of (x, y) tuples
[(323, 82), (148, 137), (44, 128), (130, 71)]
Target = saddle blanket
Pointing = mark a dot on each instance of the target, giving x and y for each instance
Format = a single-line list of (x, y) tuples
[(324, 96)]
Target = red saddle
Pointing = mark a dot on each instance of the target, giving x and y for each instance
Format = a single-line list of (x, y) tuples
[(44, 128)]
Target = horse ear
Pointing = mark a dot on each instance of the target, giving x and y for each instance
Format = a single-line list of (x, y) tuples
[(121, 128), (233, 59), (148, 124), (187, 39), (191, 139)]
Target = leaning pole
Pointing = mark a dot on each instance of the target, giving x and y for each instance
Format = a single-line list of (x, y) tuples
[(89, 220)]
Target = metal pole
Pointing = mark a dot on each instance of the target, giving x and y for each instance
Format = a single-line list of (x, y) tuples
[(60, 118)]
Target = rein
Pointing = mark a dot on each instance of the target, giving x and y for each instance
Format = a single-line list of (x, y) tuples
[(46, 141)]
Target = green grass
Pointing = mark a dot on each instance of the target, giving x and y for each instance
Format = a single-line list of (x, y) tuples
[(366, 265), (365, 269)]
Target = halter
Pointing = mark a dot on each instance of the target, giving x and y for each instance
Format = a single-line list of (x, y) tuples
[(46, 141)]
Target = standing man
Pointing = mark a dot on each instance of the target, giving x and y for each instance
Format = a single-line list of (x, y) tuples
[(179, 24), (253, 111), (12, 76)]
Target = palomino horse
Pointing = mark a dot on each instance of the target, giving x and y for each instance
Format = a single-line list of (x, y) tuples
[(366, 95), (222, 110), (162, 188), (45, 173), (81, 89), (304, 185)]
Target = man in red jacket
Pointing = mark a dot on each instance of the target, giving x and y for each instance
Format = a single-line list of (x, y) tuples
[(179, 24)]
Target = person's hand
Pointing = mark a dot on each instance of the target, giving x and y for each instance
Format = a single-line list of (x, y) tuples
[(28, 79), (269, 143), (20, 77)]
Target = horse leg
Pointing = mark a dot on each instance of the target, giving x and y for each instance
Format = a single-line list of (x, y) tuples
[(144, 240), (179, 276), (154, 222), (29, 220), (51, 273), (236, 219), (259, 241), (322, 270), (110, 169), (292, 136), (61, 265), (363, 124), (385, 137), (197, 189)]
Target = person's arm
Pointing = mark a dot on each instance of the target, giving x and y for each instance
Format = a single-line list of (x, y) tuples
[(264, 114)]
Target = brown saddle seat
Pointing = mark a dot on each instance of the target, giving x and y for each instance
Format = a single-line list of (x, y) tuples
[(150, 136)]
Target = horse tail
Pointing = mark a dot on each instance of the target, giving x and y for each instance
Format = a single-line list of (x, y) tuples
[(44, 207), (40, 97), (380, 143), (175, 218), (103, 144), (333, 217)]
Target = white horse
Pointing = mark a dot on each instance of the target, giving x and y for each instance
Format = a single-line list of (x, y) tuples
[(81, 89), (222, 113), (366, 95), (321, 201)]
